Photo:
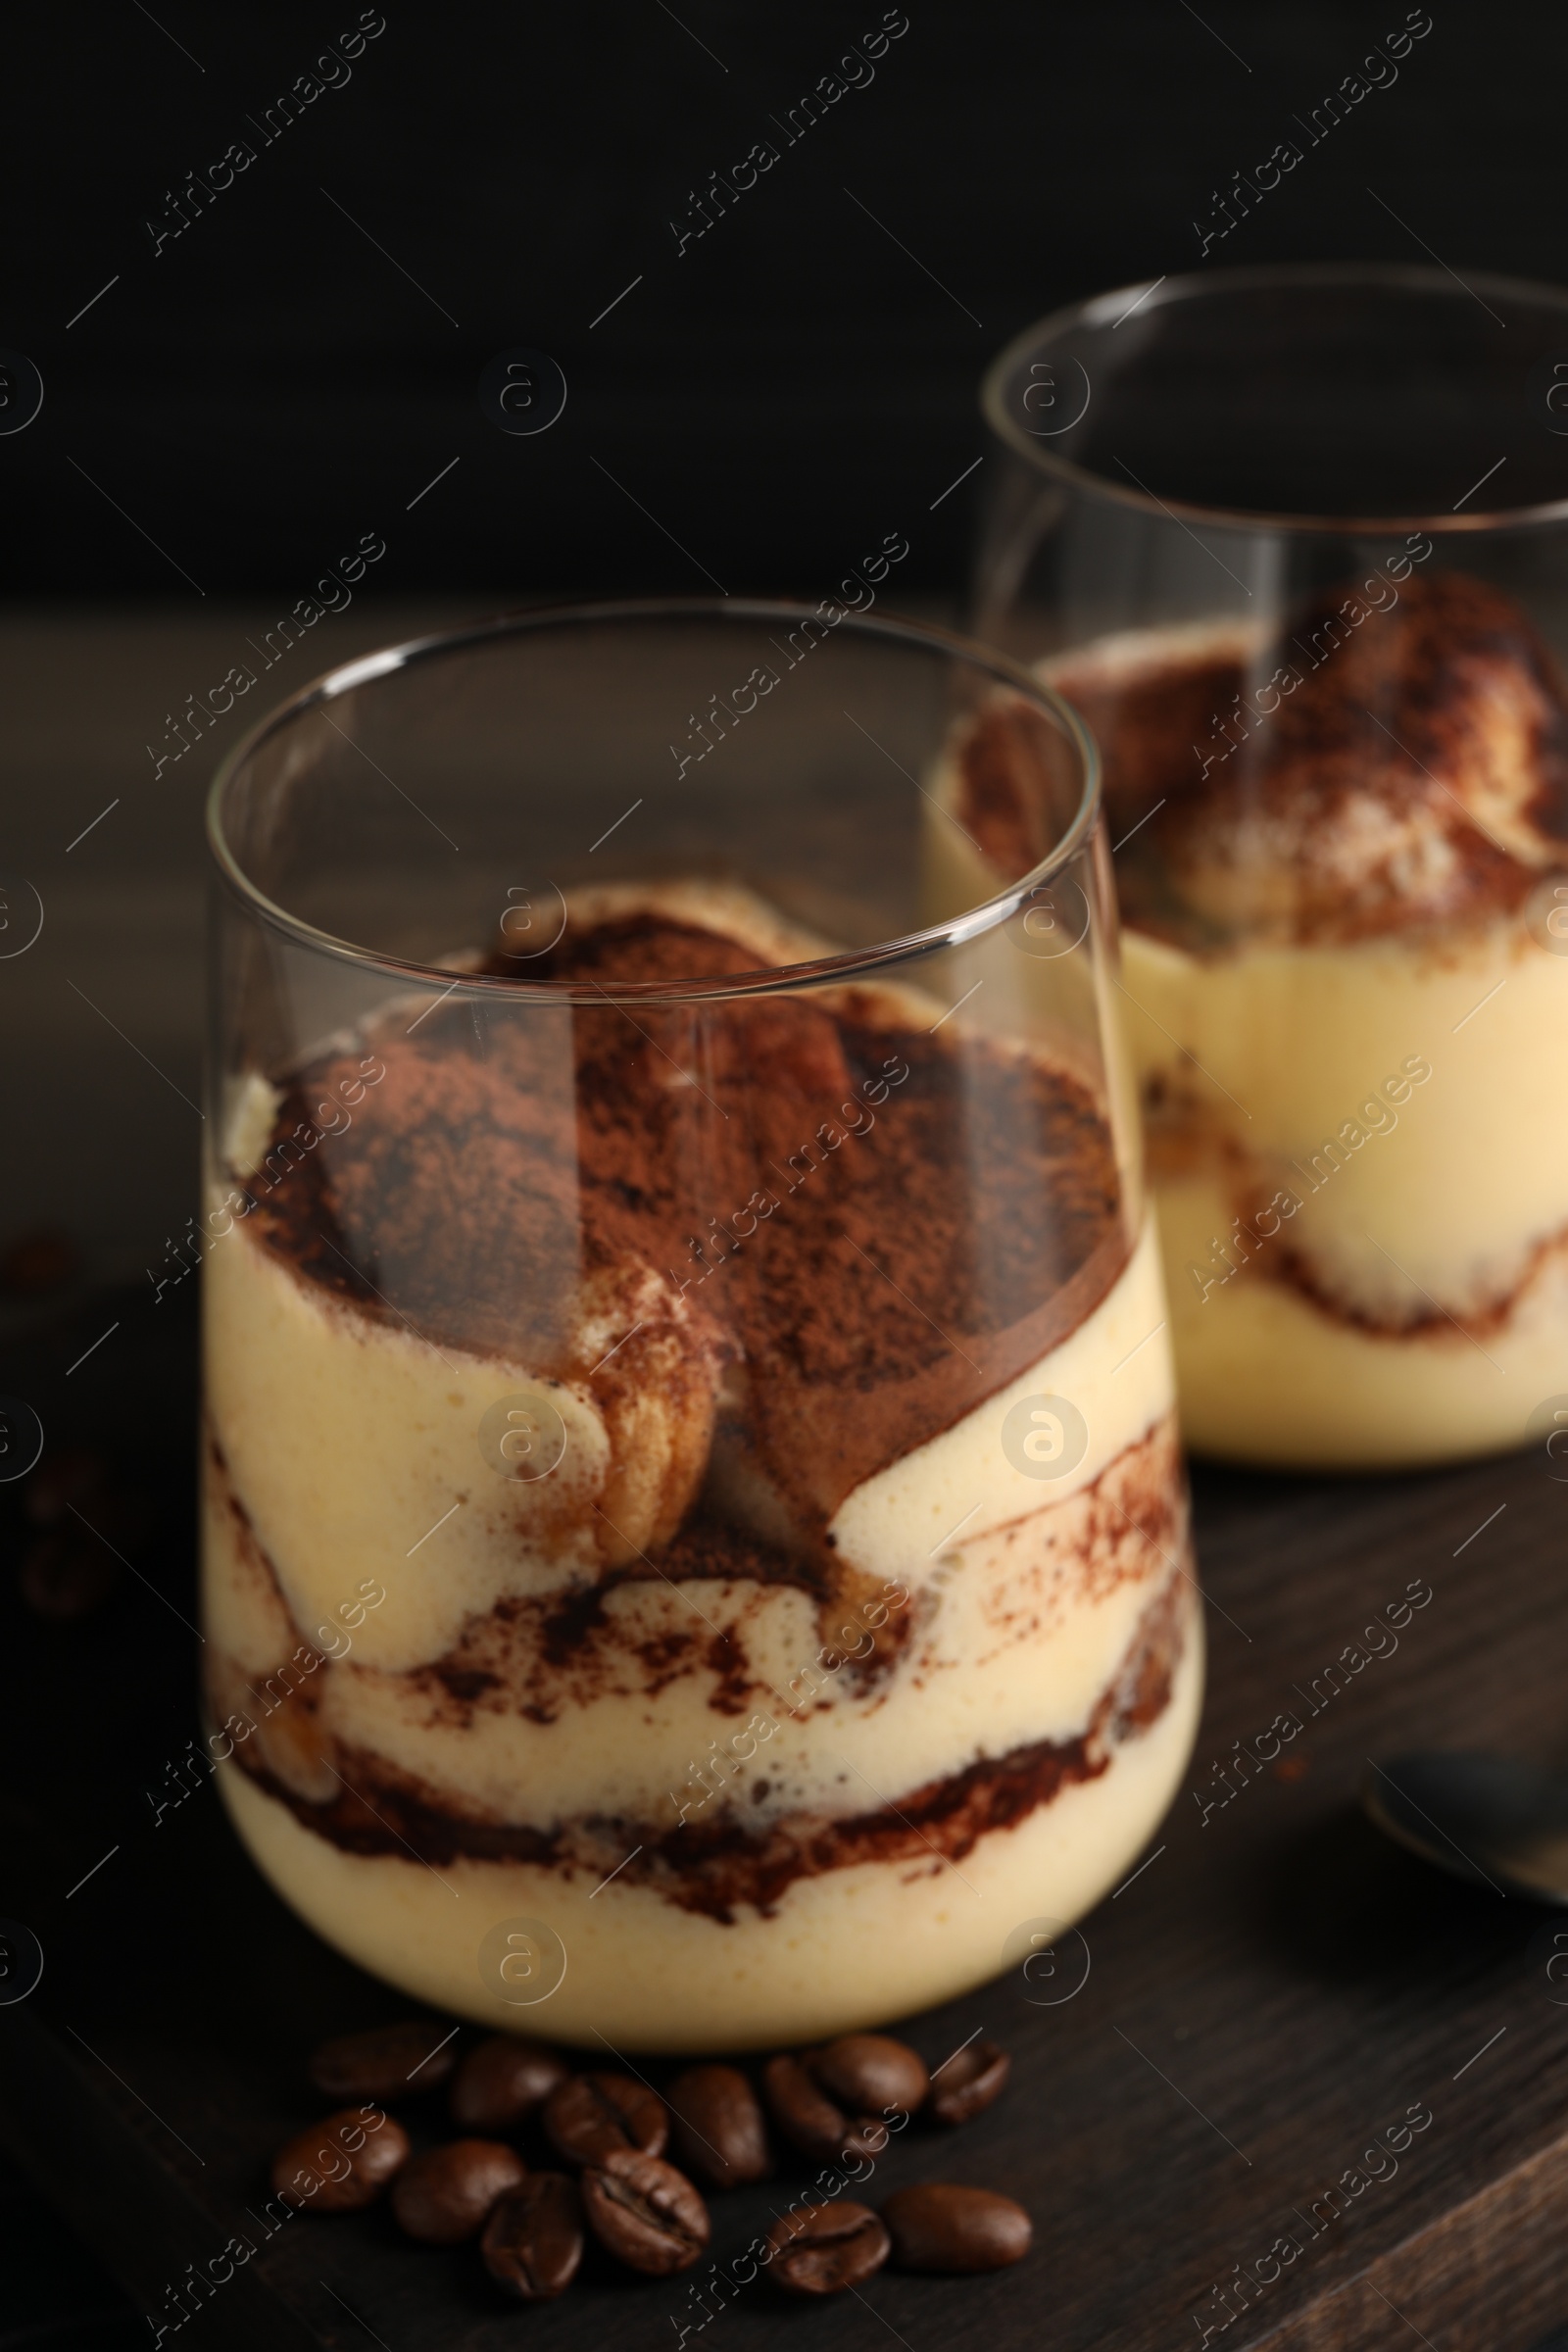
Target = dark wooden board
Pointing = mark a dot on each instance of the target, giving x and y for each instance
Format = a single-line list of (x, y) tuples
[(1273, 1991)]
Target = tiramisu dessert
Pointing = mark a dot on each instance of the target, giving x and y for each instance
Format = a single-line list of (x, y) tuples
[(694, 1523), (1337, 848)]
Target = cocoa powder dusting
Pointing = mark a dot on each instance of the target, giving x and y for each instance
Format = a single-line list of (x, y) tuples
[(713, 1866), (880, 1227), (1367, 771)]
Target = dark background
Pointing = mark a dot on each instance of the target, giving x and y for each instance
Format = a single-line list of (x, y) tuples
[(231, 415), (269, 386)]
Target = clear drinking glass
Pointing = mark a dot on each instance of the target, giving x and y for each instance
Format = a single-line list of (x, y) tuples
[(696, 1545), (1295, 542)]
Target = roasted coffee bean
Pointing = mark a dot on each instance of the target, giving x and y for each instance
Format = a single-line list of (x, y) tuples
[(533, 2240), (718, 2128), (809, 2120), (802, 2110), (648, 2215), (504, 2081), (443, 2195), (819, 2249), (941, 2226), (590, 2115), (390, 2062), (871, 2072), (968, 2083), (342, 2163)]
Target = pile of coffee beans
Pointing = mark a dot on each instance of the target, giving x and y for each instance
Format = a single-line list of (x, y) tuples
[(611, 2133)]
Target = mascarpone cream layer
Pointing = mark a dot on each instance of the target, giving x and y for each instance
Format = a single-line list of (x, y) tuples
[(1269, 1376), (346, 1440), (845, 1950)]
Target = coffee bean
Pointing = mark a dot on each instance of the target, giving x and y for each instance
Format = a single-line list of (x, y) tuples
[(718, 2128), (809, 2118), (390, 2062), (870, 2073), (941, 2226), (588, 2117), (819, 2249), (533, 2240), (342, 2163), (969, 2082), (442, 2196), (648, 2215), (803, 2112), (504, 2081)]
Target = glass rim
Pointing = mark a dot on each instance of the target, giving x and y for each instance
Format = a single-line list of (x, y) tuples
[(1102, 310), (840, 968)]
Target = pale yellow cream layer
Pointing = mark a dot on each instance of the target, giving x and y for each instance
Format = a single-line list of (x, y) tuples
[(845, 1950), (1414, 1102), (1023, 1594), (355, 1448), (1268, 1377)]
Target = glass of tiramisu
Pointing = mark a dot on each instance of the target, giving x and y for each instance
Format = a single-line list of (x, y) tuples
[(696, 1548), (1295, 543)]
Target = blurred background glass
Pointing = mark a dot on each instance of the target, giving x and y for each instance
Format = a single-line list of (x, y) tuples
[(1295, 543)]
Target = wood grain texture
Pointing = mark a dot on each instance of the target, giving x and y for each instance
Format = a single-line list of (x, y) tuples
[(1275, 1990)]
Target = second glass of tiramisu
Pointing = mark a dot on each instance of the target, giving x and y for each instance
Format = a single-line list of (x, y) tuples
[(696, 1547), (1295, 543)]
